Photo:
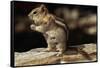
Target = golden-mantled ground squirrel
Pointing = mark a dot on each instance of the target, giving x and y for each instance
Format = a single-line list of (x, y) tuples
[(53, 29)]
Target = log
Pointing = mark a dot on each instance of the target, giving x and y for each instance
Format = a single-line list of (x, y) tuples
[(38, 57)]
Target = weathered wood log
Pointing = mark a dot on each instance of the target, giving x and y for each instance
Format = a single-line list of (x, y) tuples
[(38, 57)]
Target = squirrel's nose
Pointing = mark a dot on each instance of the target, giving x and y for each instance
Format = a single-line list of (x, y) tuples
[(30, 16)]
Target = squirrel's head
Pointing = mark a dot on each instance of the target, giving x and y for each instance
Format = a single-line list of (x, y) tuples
[(38, 12)]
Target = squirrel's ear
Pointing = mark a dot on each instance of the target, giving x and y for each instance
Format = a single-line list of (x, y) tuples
[(42, 6)]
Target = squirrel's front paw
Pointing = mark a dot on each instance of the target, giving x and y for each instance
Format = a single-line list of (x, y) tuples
[(32, 26)]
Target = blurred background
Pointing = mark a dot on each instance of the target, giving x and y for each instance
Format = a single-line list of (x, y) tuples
[(81, 21)]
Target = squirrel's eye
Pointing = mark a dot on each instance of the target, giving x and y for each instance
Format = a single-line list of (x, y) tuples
[(34, 12)]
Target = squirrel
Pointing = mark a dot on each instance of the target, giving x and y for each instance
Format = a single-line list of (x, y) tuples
[(52, 27), (54, 30)]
